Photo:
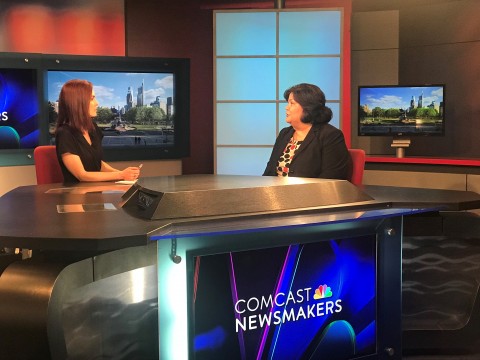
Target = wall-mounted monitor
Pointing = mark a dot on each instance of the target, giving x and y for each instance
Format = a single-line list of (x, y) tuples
[(19, 109), (401, 111), (143, 103), (21, 127)]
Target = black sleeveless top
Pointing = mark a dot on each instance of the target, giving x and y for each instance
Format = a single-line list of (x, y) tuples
[(68, 140)]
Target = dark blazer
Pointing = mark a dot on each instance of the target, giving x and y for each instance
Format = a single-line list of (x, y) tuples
[(323, 154)]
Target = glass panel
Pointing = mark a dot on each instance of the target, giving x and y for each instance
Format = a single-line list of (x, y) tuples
[(242, 161), (246, 79), (246, 124), (336, 114), (323, 72), (69, 208), (309, 33), (245, 33)]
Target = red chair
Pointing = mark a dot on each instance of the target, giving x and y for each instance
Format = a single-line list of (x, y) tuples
[(47, 168), (358, 166)]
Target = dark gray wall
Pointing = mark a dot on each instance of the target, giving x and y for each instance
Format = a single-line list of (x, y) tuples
[(180, 28), (438, 42)]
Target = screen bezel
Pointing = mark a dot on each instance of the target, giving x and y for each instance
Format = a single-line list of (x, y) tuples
[(400, 134)]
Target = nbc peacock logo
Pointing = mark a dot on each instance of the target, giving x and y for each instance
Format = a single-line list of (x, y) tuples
[(322, 292)]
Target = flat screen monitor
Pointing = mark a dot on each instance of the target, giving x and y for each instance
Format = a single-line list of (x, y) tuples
[(19, 108), (401, 111), (135, 109), (143, 103), (303, 301)]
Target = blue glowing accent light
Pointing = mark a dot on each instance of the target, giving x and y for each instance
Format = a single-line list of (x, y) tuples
[(210, 340), (9, 138)]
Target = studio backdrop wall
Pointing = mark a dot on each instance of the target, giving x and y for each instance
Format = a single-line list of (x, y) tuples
[(258, 55)]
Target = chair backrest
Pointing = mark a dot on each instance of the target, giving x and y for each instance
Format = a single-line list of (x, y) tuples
[(358, 166), (47, 168)]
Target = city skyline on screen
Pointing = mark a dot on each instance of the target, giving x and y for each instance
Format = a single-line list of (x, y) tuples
[(111, 88), (400, 96)]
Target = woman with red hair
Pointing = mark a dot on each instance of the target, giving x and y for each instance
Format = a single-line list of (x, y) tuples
[(79, 140)]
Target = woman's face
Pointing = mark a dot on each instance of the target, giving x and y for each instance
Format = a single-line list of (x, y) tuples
[(93, 105), (294, 111)]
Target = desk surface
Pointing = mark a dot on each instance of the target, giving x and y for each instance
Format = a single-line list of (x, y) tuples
[(87, 217), (29, 218), (452, 200)]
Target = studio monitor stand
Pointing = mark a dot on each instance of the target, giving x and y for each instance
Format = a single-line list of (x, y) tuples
[(400, 145)]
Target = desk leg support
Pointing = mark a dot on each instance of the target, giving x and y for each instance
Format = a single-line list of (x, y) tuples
[(31, 294)]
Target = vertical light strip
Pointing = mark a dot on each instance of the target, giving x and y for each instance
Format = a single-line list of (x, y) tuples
[(172, 303), (195, 277), (138, 285), (292, 278), (292, 252), (233, 288)]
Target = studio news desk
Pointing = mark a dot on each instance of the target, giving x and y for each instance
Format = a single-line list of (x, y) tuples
[(207, 267)]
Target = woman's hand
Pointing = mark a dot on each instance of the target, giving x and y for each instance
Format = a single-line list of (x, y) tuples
[(131, 173)]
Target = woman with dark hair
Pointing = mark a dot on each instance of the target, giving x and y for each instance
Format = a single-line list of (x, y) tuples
[(310, 146), (79, 140)]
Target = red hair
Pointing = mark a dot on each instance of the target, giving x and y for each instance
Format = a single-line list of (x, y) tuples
[(74, 105)]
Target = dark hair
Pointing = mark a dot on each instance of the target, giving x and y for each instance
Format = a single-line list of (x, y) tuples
[(74, 105), (312, 100)]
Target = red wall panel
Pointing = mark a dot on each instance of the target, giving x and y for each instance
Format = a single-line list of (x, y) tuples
[(79, 30)]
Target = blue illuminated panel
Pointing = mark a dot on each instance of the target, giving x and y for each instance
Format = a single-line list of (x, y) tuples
[(246, 79), (242, 161), (235, 121), (310, 33), (336, 114), (303, 301), (245, 33), (323, 72)]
